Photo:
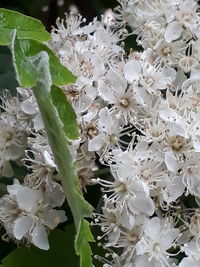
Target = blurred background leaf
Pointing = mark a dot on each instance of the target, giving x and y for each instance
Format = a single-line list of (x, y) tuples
[(61, 252), (49, 10), (7, 73)]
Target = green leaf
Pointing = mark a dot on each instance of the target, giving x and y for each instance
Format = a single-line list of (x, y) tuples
[(24, 50), (26, 74), (60, 254), (60, 75), (66, 112), (82, 246), (65, 163), (26, 26)]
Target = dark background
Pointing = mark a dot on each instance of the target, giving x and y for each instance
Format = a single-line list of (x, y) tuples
[(48, 10)]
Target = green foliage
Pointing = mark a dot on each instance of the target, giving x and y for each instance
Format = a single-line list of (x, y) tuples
[(61, 253), (84, 236), (27, 27), (26, 74), (66, 112)]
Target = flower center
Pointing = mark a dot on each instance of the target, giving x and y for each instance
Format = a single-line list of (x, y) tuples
[(113, 138), (8, 136), (92, 131), (149, 81), (145, 174), (192, 170), (133, 238), (121, 187), (156, 247), (177, 143), (187, 17), (124, 102), (166, 51)]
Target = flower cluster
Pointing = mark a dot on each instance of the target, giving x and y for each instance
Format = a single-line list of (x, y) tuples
[(28, 209), (138, 113)]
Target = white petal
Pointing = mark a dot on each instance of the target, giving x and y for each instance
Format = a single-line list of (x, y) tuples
[(170, 74), (117, 80), (152, 228), (105, 120), (6, 169), (114, 236), (141, 247), (173, 31), (54, 195), (28, 107), (143, 204), (105, 92), (177, 129), (169, 115), (38, 122), (189, 261), (127, 220), (85, 102), (13, 189), (174, 190), (48, 159), (132, 70), (22, 226), (171, 162), (27, 198), (196, 144), (39, 237), (96, 143), (53, 217)]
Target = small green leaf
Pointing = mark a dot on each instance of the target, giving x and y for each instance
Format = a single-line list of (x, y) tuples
[(61, 252), (60, 75), (25, 71), (66, 112), (82, 246), (26, 26)]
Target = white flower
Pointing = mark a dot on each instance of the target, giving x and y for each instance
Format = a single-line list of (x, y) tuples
[(13, 140), (159, 236), (30, 107), (128, 192), (28, 216), (109, 133), (191, 173), (114, 90), (148, 76)]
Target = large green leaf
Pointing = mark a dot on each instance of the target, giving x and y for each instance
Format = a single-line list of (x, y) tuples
[(61, 253), (66, 112), (26, 26), (26, 75)]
